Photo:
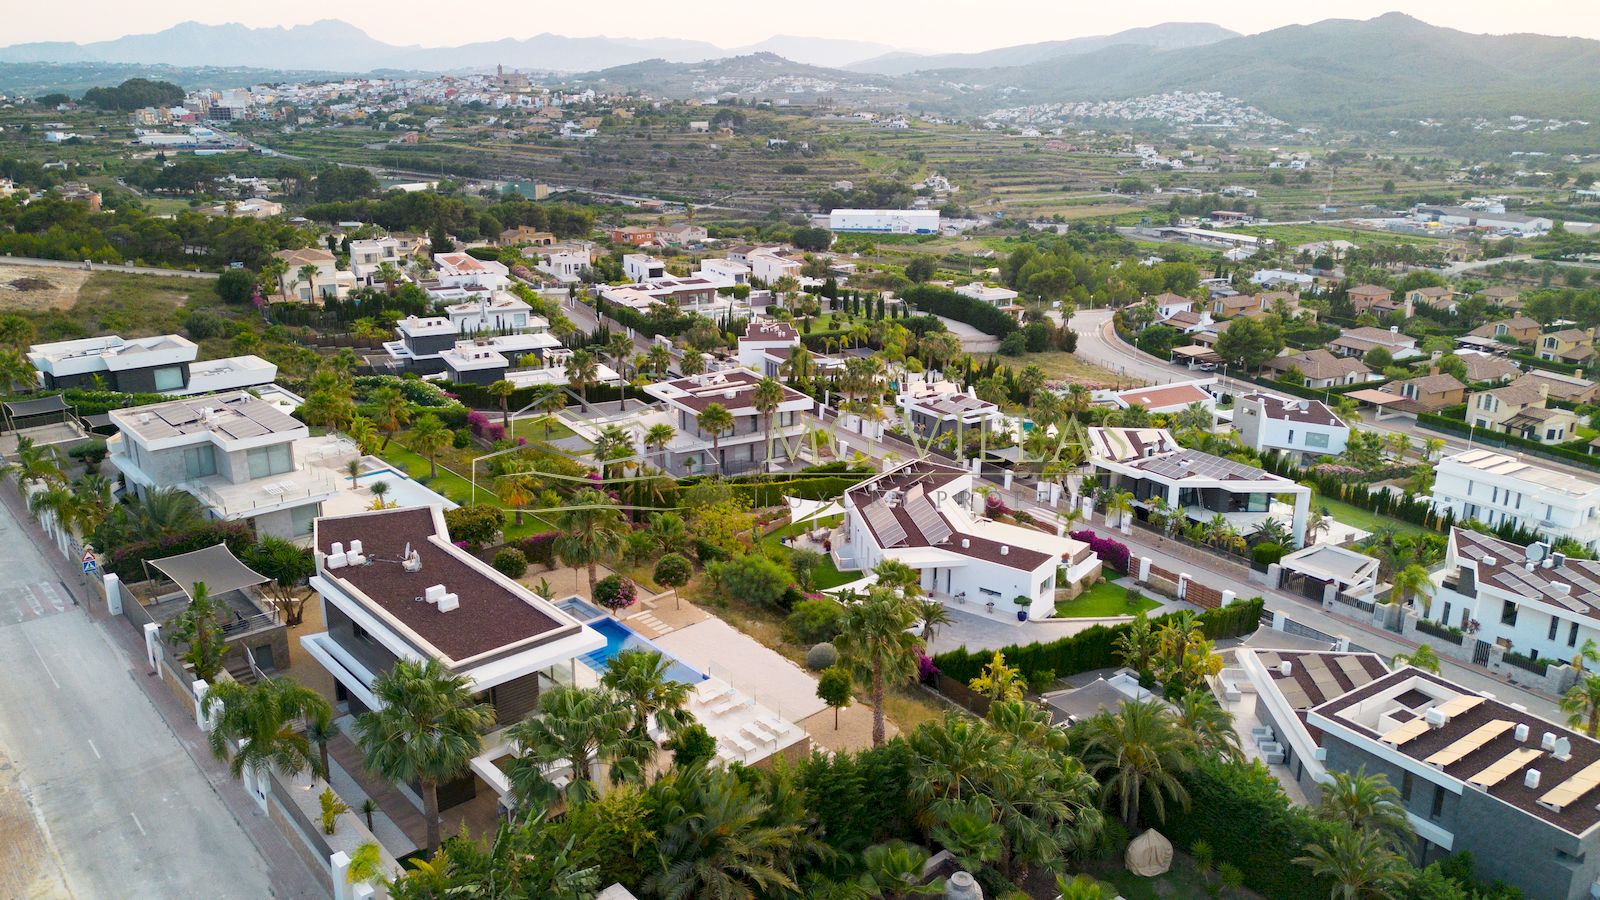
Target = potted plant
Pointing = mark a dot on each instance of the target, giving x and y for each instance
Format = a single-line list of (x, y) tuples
[(1023, 602)]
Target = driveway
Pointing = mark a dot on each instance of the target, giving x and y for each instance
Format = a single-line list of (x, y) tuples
[(97, 794), (972, 340)]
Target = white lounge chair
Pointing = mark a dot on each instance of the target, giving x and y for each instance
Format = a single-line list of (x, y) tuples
[(741, 743), (712, 691), (729, 704), (775, 725), (754, 730)]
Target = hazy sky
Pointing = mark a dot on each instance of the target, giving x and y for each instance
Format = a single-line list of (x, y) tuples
[(943, 25)]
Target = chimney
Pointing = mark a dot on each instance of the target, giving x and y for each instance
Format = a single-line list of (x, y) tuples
[(1433, 370), (966, 544), (1531, 779), (1285, 667)]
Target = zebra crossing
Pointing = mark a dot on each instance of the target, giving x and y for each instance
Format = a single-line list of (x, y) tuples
[(35, 600)]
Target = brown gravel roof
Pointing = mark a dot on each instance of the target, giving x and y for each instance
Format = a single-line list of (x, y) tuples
[(493, 614)]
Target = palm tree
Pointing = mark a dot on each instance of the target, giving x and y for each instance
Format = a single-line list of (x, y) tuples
[(894, 871), (273, 273), (426, 729), (321, 729), (16, 370), (582, 727), (766, 398), (428, 436), (592, 530), (1358, 863), (200, 628), (1121, 506), (1422, 658), (1208, 725), (714, 420), (1137, 645), (798, 367), (722, 839), (261, 719), (1414, 581), (389, 274), (1588, 652), (656, 439), (1581, 703), (998, 681), (612, 443), (308, 274), (1317, 521), (390, 412), (643, 678), (693, 362), (582, 371), (518, 490), (551, 404), (874, 641), (1137, 754), (933, 615), (658, 359), (35, 463), (364, 433), (502, 390), (1366, 802)]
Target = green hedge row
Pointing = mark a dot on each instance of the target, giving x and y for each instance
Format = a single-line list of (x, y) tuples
[(477, 396), (1559, 452), (945, 302), (1094, 647), (1546, 364)]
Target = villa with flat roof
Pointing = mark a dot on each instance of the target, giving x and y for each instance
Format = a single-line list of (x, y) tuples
[(1495, 488), (163, 364), (740, 449)]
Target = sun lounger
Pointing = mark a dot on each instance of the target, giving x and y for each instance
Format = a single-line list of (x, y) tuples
[(755, 730), (775, 725), (729, 704), (741, 743)]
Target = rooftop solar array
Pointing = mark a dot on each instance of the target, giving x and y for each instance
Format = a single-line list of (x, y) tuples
[(1504, 766), (1405, 733), (935, 530), (884, 524), (1469, 743), (1567, 792), (1194, 464)]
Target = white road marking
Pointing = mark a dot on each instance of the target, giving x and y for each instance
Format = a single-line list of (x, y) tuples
[(42, 664), (54, 598), (138, 823), (95, 749), (33, 602)]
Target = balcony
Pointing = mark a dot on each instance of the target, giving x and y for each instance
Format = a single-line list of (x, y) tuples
[(262, 495)]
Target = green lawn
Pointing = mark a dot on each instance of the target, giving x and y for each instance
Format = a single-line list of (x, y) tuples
[(1103, 600), (827, 575), (1360, 518), (458, 489), (534, 429)]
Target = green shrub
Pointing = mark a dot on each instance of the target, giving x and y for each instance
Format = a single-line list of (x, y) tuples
[(814, 620), (691, 745), (511, 563), (821, 656), (672, 570), (91, 453), (475, 525), (1266, 554), (615, 592)]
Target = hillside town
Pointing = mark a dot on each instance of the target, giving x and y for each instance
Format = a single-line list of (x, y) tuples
[(857, 520)]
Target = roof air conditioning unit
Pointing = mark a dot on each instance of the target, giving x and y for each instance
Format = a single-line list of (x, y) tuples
[(1558, 559), (1521, 733), (449, 602), (1436, 717), (1004, 550), (1547, 743), (1490, 561), (965, 543), (434, 593), (1285, 667), (1531, 779), (1561, 588)]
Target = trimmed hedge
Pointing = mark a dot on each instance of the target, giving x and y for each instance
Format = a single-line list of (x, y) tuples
[(945, 302), (1094, 647), (1559, 452), (127, 561)]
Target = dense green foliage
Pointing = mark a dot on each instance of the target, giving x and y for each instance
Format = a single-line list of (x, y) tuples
[(135, 93)]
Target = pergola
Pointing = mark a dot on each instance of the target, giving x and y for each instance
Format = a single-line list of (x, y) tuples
[(53, 405)]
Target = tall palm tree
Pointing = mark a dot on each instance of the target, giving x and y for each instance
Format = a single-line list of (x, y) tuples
[(656, 439), (797, 369), (1361, 801), (502, 390), (273, 273), (199, 628), (766, 398), (875, 643), (582, 371), (389, 274), (582, 727), (551, 404), (308, 274), (715, 420), (518, 490), (1581, 703), (16, 370), (321, 729), (1359, 864), (426, 729), (36, 463), (611, 444), (1137, 754), (263, 717), (643, 678), (428, 436), (620, 347), (1413, 581), (1422, 658), (1121, 506), (933, 615), (1208, 725), (592, 530), (390, 412), (693, 362), (659, 360), (721, 840)]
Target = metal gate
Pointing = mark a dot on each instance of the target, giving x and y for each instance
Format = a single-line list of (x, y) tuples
[(1480, 653)]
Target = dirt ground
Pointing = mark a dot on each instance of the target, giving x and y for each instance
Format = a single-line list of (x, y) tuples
[(38, 288), (28, 865)]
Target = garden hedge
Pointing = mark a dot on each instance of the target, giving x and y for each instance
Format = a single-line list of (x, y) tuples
[(944, 302)]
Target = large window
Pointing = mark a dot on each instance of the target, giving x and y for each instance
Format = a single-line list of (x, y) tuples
[(199, 462), (301, 518), (1316, 439), (273, 460), (169, 378)]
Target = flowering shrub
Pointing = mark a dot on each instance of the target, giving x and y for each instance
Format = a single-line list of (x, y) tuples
[(927, 672), (1113, 553), (540, 548), (994, 506), (477, 421), (615, 592), (494, 431)]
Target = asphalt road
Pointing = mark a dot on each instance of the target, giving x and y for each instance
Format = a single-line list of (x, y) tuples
[(101, 789)]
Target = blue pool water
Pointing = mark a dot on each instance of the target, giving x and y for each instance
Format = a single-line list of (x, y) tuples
[(620, 637)]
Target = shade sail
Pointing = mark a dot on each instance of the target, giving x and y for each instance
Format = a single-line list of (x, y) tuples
[(41, 406), (809, 510), (216, 566)]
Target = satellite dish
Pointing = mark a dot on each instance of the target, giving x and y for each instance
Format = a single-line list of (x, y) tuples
[(1535, 551)]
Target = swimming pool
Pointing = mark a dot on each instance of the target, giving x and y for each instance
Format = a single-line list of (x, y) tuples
[(620, 637), (403, 490)]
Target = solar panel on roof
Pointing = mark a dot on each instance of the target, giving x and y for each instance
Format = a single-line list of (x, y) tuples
[(179, 415), (1567, 792), (1470, 743), (1504, 766), (1405, 733), (928, 521), (888, 529), (1354, 670), (1455, 706), (240, 428)]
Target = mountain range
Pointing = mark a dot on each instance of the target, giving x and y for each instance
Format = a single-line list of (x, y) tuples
[(339, 46)]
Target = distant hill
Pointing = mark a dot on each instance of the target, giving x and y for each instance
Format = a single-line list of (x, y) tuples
[(813, 51), (1338, 70), (736, 73), (36, 79), (1167, 36)]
